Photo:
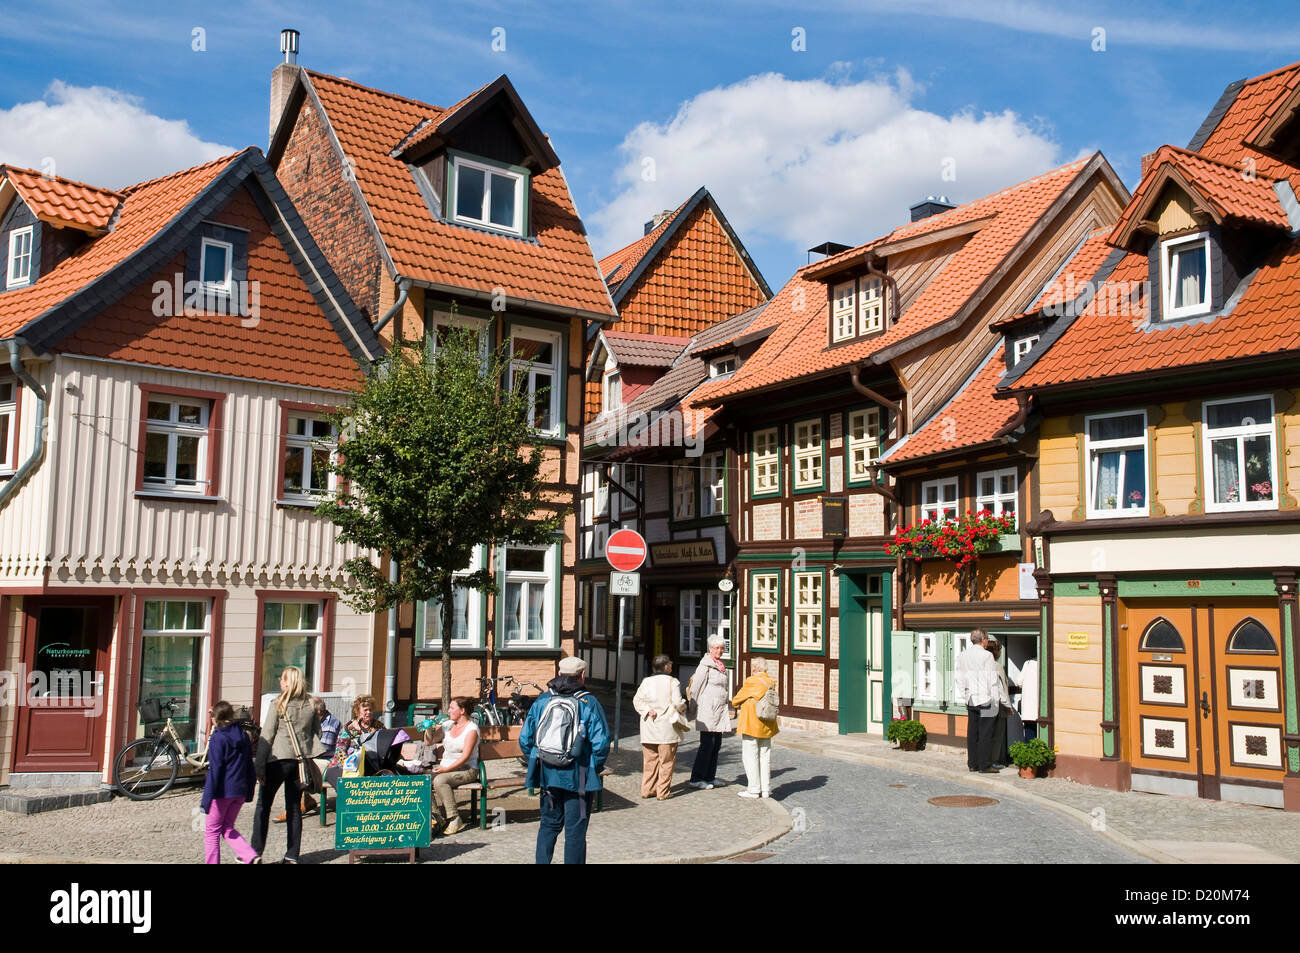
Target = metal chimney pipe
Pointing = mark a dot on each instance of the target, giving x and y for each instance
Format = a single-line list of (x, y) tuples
[(289, 46)]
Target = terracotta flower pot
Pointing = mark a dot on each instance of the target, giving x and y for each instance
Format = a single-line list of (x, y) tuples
[(1029, 772)]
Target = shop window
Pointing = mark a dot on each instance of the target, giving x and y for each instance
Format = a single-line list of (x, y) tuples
[(466, 614), (1238, 453), (765, 615), (1161, 636), (291, 635), (1117, 464), (1251, 637), (172, 656)]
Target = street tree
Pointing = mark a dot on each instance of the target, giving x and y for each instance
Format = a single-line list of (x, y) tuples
[(437, 458)]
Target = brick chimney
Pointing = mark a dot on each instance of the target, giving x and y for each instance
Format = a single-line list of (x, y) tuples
[(1146, 163), (283, 76), (654, 223)]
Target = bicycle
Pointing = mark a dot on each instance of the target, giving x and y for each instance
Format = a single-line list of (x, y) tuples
[(518, 704), (147, 767), (486, 711)]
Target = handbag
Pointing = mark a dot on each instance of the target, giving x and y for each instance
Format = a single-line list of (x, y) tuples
[(309, 777)]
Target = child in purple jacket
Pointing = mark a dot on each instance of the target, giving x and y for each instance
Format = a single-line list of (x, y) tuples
[(228, 787)]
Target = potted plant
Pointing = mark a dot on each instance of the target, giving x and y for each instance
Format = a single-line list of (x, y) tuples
[(1031, 756), (908, 732)]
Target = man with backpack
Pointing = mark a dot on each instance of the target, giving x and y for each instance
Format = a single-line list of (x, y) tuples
[(566, 740), (756, 723)]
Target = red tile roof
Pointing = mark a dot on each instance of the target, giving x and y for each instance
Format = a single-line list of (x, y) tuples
[(626, 258), (1253, 104), (972, 418), (555, 268), (62, 201), (644, 350), (1069, 282), (145, 209), (798, 347), (1227, 192)]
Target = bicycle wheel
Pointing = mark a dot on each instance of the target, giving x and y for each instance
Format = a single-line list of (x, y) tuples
[(146, 768)]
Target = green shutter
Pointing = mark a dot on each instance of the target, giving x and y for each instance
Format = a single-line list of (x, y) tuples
[(903, 677)]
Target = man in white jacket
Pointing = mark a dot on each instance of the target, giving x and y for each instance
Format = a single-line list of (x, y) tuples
[(979, 688)]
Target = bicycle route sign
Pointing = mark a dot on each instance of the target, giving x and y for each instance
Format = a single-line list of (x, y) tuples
[(383, 813), (626, 550)]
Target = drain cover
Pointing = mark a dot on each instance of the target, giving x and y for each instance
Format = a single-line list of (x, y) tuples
[(752, 856), (962, 800)]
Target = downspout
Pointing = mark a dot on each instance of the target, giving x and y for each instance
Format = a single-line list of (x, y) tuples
[(403, 288), (1004, 432), (30, 465), (890, 283), (390, 670)]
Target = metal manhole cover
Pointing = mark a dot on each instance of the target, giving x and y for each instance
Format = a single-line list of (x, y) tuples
[(752, 856), (962, 800)]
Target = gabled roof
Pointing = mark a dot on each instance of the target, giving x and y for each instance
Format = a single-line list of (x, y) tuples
[(59, 201), (972, 418), (1002, 223), (553, 270), (1111, 338), (622, 268), (1219, 189), (153, 225), (644, 350)]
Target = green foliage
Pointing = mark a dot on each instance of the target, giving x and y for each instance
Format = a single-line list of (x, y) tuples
[(901, 730), (1035, 753), (436, 459)]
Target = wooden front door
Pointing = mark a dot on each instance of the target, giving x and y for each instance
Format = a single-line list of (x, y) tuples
[(66, 645), (1203, 687)]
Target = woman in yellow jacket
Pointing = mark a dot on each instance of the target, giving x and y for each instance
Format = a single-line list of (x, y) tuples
[(755, 734)]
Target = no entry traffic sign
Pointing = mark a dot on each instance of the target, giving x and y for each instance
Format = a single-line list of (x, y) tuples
[(626, 550)]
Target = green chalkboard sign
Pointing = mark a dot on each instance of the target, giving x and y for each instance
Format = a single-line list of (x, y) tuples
[(383, 813)]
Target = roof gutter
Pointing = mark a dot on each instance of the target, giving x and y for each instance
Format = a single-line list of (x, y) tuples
[(403, 289), (855, 378), (30, 465), (1022, 414)]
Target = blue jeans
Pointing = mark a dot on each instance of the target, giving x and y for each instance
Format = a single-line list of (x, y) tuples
[(567, 811)]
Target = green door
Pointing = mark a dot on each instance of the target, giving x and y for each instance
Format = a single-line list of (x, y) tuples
[(864, 652)]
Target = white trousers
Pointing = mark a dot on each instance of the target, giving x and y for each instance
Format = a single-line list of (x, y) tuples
[(756, 753)]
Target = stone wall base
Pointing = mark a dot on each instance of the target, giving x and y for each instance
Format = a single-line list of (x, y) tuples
[(809, 724), (1116, 775), (1291, 794)]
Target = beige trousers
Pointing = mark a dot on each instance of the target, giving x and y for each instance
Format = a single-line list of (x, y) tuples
[(657, 769), (444, 790)]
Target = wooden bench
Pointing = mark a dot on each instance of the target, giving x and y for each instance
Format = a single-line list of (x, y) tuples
[(496, 743)]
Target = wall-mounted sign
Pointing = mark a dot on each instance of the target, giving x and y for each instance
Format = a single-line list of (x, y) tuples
[(835, 517), (1028, 584), (683, 553), (1077, 640), (725, 585)]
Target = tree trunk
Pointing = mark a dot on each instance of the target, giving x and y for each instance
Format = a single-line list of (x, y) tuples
[(445, 611)]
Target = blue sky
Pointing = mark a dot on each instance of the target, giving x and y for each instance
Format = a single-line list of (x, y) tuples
[(885, 102)]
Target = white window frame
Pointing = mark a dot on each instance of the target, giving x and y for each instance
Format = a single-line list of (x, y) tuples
[(765, 467), (844, 300), (765, 612), (14, 279), (1021, 347), (223, 286), (600, 609), (485, 221), (871, 306), (713, 483), (723, 366), (204, 635), (174, 430), (9, 413), (1240, 434), (691, 609), (996, 501), (309, 443), (1168, 249), (944, 501), (318, 633), (928, 689), (1091, 463), (611, 391), (684, 502), (718, 619), (868, 444), (531, 368), (528, 579), (629, 476), (809, 635), (599, 493), (440, 319), (809, 453), (429, 638)]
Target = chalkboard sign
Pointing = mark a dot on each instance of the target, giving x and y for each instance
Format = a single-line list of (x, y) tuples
[(383, 813)]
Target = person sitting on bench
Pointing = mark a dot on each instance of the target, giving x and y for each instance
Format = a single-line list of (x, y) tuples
[(459, 764)]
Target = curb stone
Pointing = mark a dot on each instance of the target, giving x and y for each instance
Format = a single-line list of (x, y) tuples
[(783, 823)]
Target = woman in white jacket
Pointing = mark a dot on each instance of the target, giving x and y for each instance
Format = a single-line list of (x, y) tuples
[(660, 704), (710, 690)]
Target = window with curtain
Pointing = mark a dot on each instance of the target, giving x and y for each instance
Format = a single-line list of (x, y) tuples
[(466, 615), (1117, 464), (1186, 276), (528, 595), (1239, 454)]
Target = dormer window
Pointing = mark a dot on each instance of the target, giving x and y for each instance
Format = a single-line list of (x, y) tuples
[(871, 312), (613, 392), (216, 264), (843, 311), (19, 272), (857, 309), (1021, 348), (1185, 269), (722, 366), (488, 195)]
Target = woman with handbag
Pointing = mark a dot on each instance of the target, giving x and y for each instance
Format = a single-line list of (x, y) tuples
[(289, 739), (660, 704), (708, 694)]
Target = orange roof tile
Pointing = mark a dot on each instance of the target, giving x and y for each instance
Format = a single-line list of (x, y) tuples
[(1069, 282), (145, 209), (554, 268), (1252, 105), (62, 201), (628, 256), (798, 347), (973, 417)]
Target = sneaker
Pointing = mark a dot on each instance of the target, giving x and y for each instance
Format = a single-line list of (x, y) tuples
[(750, 794), (256, 860), (702, 785), (715, 783)]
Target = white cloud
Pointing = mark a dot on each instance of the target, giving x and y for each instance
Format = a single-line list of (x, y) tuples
[(799, 162), (98, 135)]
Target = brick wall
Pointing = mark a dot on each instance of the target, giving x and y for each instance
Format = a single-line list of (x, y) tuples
[(312, 174), (809, 684), (767, 521)]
